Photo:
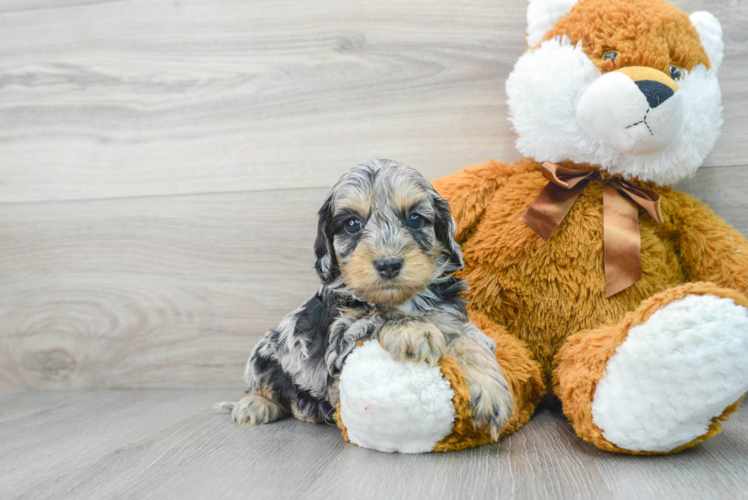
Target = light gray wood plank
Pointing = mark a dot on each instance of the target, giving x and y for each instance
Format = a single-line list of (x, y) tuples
[(157, 97), (8, 6), (466, 475), (174, 291), (201, 455), (169, 444), (61, 436), (149, 292), (153, 97), (724, 190), (543, 460)]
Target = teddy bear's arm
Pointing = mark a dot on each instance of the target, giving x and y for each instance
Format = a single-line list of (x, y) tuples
[(469, 191), (709, 248)]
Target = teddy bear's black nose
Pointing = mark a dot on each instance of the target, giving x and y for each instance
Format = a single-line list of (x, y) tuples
[(388, 267), (655, 92)]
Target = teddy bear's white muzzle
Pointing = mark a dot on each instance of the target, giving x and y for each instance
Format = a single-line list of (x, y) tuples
[(636, 118)]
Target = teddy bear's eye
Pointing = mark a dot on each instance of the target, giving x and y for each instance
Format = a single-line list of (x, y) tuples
[(610, 55), (675, 72)]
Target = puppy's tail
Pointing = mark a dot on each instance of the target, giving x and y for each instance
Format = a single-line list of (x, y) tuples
[(224, 406)]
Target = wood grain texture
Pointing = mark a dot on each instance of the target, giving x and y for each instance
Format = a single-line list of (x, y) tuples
[(162, 162), (157, 292), (169, 444), (154, 97)]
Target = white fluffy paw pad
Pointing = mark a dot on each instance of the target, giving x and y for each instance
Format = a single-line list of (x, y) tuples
[(394, 406), (674, 374)]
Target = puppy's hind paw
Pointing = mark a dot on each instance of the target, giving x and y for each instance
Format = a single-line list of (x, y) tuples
[(254, 409)]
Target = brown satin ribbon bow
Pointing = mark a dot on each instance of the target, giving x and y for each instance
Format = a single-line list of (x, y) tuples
[(621, 202)]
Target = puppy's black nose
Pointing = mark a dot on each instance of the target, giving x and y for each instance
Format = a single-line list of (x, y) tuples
[(388, 267), (655, 92)]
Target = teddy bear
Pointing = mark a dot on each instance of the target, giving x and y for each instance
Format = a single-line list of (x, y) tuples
[(601, 285)]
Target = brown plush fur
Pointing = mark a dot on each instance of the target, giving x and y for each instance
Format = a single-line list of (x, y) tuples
[(550, 297), (653, 34)]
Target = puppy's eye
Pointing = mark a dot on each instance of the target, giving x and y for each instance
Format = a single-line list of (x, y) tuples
[(675, 72), (610, 55), (353, 226), (415, 221)]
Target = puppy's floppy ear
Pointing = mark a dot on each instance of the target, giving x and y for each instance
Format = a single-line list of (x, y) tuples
[(326, 265), (445, 228)]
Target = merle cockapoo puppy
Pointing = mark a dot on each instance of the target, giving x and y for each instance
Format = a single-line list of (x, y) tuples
[(386, 255)]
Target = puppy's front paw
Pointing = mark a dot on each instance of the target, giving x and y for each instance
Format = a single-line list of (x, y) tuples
[(254, 409), (492, 400), (492, 403), (418, 341)]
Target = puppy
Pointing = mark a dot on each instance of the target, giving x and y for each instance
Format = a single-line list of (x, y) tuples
[(386, 255)]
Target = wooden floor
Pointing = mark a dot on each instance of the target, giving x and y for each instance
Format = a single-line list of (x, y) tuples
[(169, 443)]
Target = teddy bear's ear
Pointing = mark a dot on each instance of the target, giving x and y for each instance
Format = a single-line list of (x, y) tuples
[(542, 15), (710, 33)]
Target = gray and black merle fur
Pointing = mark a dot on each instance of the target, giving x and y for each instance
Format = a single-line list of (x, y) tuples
[(294, 368)]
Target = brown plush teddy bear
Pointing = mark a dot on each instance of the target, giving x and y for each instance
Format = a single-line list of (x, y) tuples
[(599, 282)]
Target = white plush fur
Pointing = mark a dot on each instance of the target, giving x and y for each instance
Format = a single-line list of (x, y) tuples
[(673, 374), (710, 33), (617, 112), (542, 15), (394, 406), (544, 91)]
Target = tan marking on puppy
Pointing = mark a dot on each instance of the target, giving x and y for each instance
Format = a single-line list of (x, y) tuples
[(418, 268), (491, 398), (357, 201), (257, 408), (304, 417), (405, 197), (435, 253), (413, 340)]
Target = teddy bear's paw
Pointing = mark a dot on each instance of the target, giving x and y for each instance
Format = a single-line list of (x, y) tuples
[(674, 374), (255, 409), (419, 341)]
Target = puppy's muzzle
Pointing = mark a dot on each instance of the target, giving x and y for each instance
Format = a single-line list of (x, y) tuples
[(388, 267)]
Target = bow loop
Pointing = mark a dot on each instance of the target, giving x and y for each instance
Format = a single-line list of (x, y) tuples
[(646, 198), (621, 202), (567, 178)]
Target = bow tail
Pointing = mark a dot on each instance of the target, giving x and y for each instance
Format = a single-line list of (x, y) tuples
[(549, 209), (622, 240)]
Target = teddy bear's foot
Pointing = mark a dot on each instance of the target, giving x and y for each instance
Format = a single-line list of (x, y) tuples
[(391, 406), (660, 380), (674, 374)]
